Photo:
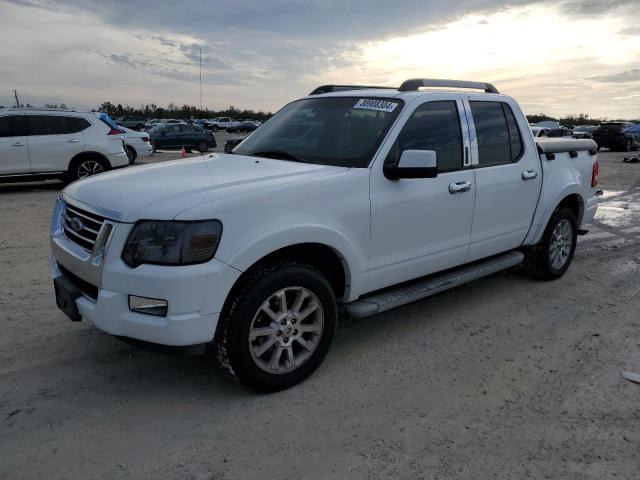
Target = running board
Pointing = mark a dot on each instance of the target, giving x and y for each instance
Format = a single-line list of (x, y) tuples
[(422, 288)]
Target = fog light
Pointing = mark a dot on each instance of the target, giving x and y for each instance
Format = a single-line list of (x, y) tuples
[(150, 306)]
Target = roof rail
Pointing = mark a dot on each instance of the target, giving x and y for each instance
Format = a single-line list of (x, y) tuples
[(342, 88), (45, 109), (416, 83)]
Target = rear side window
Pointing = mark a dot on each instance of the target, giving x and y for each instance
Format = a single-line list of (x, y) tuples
[(47, 125), (434, 126), (77, 124), (11, 126), (499, 139)]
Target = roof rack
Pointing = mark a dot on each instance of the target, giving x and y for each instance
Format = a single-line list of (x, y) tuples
[(416, 83), (342, 88)]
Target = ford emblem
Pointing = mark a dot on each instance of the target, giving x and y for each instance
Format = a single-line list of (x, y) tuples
[(76, 224)]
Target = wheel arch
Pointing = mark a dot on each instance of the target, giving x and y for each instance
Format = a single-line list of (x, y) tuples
[(324, 258), (87, 155), (571, 198)]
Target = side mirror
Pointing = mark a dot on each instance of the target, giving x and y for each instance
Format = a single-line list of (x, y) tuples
[(413, 164)]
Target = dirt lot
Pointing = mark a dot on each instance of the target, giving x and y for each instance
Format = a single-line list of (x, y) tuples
[(506, 377)]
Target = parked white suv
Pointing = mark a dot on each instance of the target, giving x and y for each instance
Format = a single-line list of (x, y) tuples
[(41, 144), (358, 199)]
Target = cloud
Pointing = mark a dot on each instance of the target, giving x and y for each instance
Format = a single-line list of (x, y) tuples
[(262, 54), (632, 75)]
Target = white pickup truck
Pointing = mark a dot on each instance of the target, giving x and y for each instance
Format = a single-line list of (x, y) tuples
[(222, 123), (351, 199)]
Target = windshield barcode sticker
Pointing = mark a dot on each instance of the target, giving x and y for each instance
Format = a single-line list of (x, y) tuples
[(377, 105)]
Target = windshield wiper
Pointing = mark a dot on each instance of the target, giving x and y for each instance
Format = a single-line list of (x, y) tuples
[(281, 155)]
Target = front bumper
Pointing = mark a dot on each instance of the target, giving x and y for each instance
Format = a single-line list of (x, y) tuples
[(195, 293)]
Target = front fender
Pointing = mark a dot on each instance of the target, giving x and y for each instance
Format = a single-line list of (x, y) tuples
[(248, 254)]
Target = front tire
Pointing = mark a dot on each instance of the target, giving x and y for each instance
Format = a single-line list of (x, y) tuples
[(202, 146), (551, 257), (278, 327)]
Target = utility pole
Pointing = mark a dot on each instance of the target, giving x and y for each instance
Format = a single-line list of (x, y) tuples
[(15, 94), (200, 79)]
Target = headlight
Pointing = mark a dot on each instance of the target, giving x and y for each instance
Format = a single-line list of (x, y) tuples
[(172, 242)]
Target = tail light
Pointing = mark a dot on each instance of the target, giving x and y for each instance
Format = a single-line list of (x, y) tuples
[(594, 174), (145, 139), (114, 131)]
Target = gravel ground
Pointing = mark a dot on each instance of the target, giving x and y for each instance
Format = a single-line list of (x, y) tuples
[(506, 377)]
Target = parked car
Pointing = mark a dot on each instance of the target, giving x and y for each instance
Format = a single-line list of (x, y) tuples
[(359, 200), (223, 123), (137, 144), (232, 143), (135, 123), (583, 131), (558, 132), (540, 131), (613, 135), (177, 136), (246, 126), (66, 144), (152, 123)]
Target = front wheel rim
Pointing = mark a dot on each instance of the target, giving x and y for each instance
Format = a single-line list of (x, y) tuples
[(561, 244), (286, 330), (88, 168)]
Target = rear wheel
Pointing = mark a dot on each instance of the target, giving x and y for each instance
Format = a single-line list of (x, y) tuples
[(278, 327), (629, 146), (202, 146), (131, 155), (86, 167), (551, 257)]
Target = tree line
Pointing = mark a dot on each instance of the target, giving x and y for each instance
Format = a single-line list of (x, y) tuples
[(182, 112), (580, 119)]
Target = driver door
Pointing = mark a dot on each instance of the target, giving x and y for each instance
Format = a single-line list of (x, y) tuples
[(423, 225)]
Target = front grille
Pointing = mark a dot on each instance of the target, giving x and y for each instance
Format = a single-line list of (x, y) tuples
[(82, 227)]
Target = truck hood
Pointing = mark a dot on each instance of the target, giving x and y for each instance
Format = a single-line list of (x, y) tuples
[(161, 191)]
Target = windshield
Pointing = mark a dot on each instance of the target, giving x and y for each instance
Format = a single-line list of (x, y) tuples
[(338, 131)]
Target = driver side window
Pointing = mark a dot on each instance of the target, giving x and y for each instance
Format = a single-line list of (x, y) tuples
[(433, 126)]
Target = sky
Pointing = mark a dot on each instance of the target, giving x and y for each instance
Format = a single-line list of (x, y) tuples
[(554, 56)]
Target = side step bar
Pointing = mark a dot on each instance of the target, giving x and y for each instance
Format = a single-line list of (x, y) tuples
[(422, 288)]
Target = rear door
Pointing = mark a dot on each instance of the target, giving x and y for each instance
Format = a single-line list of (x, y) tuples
[(423, 225), (14, 153), (187, 135), (508, 177), (51, 143)]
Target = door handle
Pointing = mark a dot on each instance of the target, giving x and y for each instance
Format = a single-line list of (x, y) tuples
[(529, 175), (73, 140), (17, 144), (459, 187)]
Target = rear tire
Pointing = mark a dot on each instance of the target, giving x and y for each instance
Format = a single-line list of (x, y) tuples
[(85, 167), (551, 257), (278, 326), (131, 155)]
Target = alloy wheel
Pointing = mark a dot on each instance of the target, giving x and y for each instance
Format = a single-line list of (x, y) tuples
[(286, 330), (88, 168), (561, 244)]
